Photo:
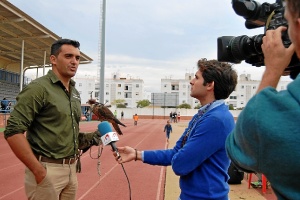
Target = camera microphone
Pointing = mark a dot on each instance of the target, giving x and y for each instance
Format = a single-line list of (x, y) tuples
[(108, 137)]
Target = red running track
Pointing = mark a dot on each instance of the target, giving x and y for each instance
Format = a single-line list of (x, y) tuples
[(146, 181)]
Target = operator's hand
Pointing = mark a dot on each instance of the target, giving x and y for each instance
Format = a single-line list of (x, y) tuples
[(127, 154), (277, 57)]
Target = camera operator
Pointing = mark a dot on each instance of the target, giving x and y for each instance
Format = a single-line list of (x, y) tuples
[(267, 133)]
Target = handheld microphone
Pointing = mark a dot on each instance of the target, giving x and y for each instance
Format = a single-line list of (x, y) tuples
[(108, 136)]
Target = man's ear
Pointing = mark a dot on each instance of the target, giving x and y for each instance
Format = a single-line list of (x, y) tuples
[(52, 59), (210, 86), (298, 22)]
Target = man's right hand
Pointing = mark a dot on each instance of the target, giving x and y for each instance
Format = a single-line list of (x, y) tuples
[(40, 174), (276, 56), (21, 148)]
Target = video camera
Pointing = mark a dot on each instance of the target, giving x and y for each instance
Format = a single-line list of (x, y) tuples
[(271, 16)]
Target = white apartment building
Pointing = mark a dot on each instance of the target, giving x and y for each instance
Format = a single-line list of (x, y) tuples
[(181, 87), (128, 89), (246, 88), (121, 88), (86, 87), (132, 90)]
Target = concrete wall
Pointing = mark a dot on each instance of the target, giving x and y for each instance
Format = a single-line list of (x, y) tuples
[(3, 119), (143, 113), (160, 113)]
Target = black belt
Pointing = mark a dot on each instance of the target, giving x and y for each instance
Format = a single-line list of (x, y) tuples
[(56, 161)]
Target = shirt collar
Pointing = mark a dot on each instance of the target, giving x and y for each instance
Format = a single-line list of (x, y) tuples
[(216, 103), (55, 79)]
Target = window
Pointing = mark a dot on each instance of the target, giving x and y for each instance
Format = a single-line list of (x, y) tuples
[(80, 84), (107, 93), (136, 94), (119, 93), (242, 86), (137, 85), (119, 85), (175, 87), (128, 95)]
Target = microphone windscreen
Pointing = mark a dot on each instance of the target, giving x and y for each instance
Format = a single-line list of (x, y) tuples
[(104, 127)]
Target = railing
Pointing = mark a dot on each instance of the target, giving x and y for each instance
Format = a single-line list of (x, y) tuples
[(3, 118)]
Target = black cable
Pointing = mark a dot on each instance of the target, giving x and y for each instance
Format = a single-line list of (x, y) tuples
[(127, 181), (100, 150)]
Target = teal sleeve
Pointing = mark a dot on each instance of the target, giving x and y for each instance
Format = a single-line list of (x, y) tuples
[(242, 144), (258, 127)]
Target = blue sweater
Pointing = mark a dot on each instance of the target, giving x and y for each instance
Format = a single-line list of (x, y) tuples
[(267, 139), (202, 162)]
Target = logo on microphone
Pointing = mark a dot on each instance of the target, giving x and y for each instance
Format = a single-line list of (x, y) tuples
[(109, 137), (106, 137)]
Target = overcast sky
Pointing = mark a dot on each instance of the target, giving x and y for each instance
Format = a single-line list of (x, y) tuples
[(149, 40)]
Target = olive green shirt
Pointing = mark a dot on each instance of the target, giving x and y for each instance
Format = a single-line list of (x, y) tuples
[(50, 115)]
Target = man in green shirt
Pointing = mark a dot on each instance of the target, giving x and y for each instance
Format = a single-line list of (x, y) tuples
[(49, 111)]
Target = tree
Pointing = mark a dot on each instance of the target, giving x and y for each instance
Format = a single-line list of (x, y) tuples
[(231, 107), (197, 106), (143, 103), (121, 106), (184, 105), (119, 103)]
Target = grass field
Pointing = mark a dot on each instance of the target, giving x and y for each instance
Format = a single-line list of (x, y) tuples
[(1, 130)]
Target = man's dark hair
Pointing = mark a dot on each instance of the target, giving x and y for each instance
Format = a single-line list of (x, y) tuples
[(294, 7), (56, 46), (221, 73)]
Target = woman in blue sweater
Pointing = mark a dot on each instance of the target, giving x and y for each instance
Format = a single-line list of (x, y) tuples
[(199, 156)]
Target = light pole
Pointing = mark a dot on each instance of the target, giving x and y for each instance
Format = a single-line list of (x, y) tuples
[(164, 105), (153, 105), (102, 51)]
